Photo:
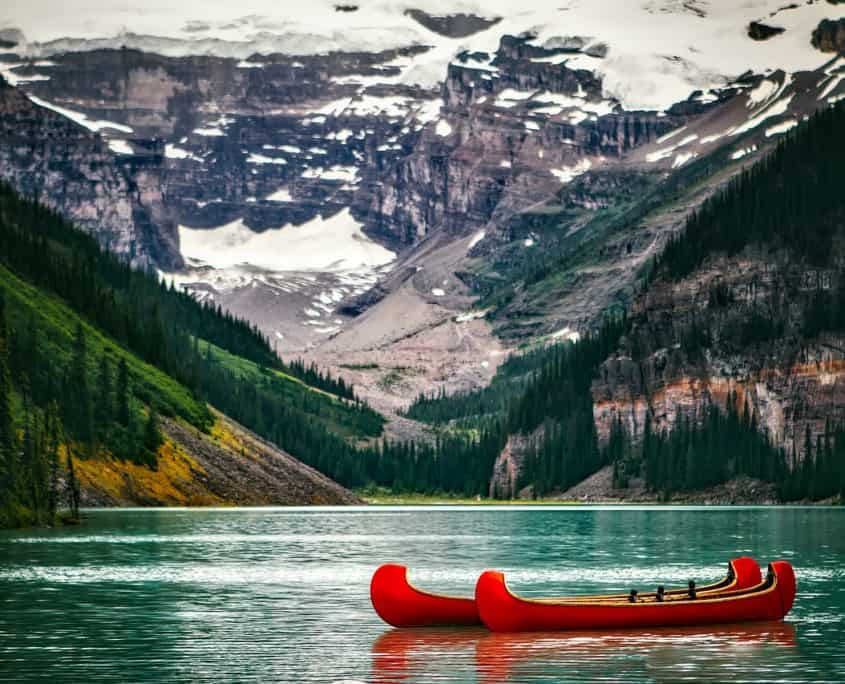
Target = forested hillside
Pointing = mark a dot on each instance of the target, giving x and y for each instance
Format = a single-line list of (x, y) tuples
[(92, 352), (544, 392), (790, 204), (756, 283)]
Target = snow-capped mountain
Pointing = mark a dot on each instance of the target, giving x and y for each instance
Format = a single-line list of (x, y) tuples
[(303, 156), (649, 53)]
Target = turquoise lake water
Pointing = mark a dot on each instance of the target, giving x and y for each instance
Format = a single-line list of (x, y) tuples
[(281, 595)]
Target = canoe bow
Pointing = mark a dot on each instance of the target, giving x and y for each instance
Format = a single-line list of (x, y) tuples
[(401, 604)]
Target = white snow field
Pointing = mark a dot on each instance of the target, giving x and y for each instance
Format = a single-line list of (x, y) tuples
[(80, 118), (658, 51), (322, 244)]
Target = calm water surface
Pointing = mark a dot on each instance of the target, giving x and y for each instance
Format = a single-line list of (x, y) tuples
[(281, 595)]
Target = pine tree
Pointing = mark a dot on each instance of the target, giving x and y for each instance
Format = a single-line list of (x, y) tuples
[(72, 487), (32, 467), (8, 439), (152, 434), (53, 430), (104, 407), (123, 407), (82, 421)]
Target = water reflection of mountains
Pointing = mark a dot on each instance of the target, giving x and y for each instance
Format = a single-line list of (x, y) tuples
[(704, 654)]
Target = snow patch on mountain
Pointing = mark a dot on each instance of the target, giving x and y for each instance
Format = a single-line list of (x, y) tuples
[(566, 174), (348, 174), (7, 71), (782, 127), (209, 132), (120, 147), (567, 334), (322, 244), (510, 97), (767, 112), (478, 237), (81, 118), (443, 128), (175, 152), (669, 151), (742, 152), (281, 195), (255, 158)]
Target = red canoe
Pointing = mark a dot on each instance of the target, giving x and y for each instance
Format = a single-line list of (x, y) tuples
[(401, 604), (503, 611)]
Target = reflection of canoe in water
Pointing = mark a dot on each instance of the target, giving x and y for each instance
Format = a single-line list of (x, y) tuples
[(401, 604), (496, 647), (503, 611), (499, 655), (408, 654)]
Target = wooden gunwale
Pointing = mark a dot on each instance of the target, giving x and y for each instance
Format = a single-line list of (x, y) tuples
[(768, 585)]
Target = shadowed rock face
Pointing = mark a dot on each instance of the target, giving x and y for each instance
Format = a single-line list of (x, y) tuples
[(788, 383), (490, 156), (70, 169), (760, 31), (452, 25), (10, 37), (829, 36), (238, 131)]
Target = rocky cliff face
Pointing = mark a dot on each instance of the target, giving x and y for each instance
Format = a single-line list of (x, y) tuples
[(515, 127), (277, 141), (581, 252), (72, 170), (504, 481), (829, 36), (789, 382), (231, 466), (271, 140), (254, 146)]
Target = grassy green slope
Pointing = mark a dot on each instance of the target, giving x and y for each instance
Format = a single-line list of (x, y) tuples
[(57, 323), (337, 415)]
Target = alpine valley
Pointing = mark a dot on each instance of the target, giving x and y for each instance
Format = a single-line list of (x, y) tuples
[(585, 250)]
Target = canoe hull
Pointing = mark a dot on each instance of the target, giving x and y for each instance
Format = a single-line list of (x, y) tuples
[(503, 611), (401, 604)]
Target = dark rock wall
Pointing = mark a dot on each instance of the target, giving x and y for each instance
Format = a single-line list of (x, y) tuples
[(70, 169), (791, 383)]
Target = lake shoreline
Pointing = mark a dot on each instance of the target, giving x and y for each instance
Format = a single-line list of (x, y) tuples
[(435, 502)]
